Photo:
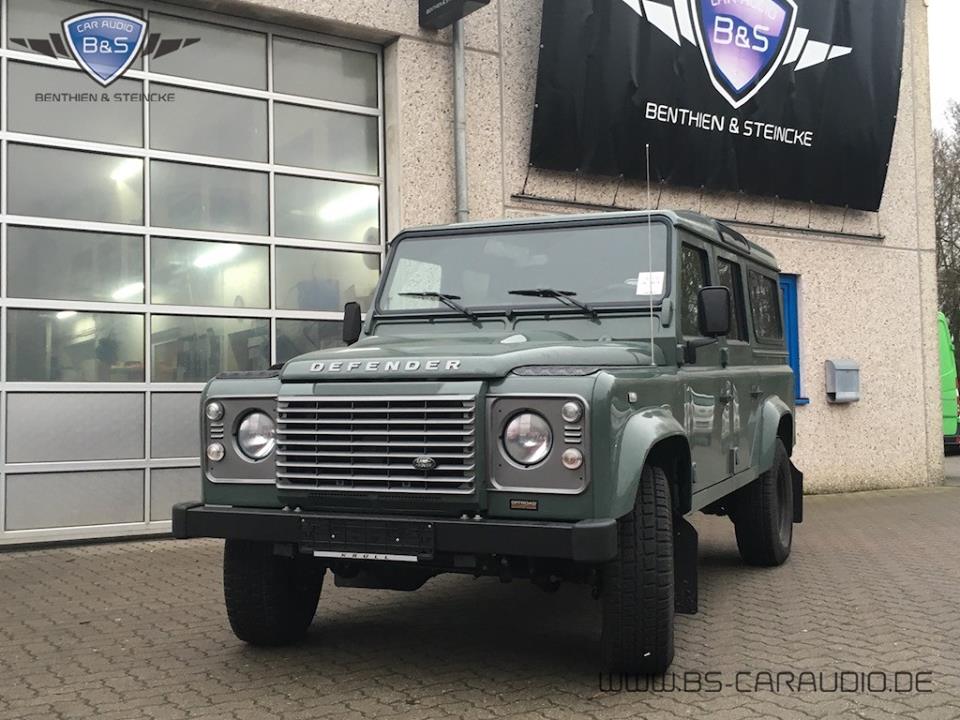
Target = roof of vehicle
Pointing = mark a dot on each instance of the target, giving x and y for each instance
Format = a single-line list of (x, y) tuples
[(696, 223)]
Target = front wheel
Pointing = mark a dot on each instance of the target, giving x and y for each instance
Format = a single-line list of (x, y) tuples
[(637, 588), (762, 514), (270, 599)]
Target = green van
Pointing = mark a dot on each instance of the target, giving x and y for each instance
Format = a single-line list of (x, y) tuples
[(948, 387)]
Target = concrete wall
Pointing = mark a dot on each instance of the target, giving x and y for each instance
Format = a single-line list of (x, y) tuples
[(868, 280)]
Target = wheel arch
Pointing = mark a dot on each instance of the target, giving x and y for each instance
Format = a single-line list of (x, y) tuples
[(787, 433), (776, 422), (652, 437)]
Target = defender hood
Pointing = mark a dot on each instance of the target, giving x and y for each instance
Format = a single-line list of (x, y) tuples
[(473, 355)]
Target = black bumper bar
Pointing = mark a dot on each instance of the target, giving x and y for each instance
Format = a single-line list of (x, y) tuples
[(587, 541)]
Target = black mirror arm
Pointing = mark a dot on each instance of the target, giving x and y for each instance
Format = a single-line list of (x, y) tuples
[(691, 347)]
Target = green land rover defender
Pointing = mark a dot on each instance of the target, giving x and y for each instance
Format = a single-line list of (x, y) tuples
[(545, 398)]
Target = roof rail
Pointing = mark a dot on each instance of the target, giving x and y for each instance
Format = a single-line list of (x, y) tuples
[(732, 237)]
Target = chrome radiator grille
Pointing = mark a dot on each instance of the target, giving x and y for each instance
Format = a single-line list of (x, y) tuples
[(371, 444)]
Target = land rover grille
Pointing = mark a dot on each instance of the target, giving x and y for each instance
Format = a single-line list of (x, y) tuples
[(377, 444)]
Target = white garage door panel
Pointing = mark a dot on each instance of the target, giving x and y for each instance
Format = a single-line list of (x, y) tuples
[(51, 500), (168, 487), (175, 425), (74, 426)]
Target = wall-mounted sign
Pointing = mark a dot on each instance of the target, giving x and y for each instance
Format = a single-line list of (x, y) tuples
[(789, 98), (438, 14)]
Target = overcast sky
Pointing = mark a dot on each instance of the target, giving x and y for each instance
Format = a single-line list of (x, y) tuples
[(944, 56)]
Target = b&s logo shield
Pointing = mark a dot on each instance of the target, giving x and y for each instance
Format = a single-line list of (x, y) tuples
[(743, 42), (104, 43)]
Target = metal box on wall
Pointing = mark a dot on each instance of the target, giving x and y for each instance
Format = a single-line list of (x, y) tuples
[(843, 381)]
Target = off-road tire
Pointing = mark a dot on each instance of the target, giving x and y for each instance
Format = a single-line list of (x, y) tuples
[(637, 588), (270, 599), (762, 514)]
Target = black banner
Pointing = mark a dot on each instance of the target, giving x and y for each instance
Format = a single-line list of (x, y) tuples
[(789, 98)]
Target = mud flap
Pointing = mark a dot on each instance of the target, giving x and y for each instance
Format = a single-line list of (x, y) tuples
[(797, 477), (685, 541)]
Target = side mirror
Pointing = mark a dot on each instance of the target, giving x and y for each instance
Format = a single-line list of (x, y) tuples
[(352, 323), (714, 304)]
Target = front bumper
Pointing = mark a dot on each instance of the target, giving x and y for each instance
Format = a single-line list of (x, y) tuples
[(377, 537)]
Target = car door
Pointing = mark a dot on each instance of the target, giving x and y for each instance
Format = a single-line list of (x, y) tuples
[(700, 380), (740, 391)]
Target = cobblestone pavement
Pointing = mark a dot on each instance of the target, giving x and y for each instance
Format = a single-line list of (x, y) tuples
[(137, 630)]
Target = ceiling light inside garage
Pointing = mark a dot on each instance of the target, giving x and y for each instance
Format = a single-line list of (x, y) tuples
[(128, 291), (361, 200), (217, 256), (126, 169)]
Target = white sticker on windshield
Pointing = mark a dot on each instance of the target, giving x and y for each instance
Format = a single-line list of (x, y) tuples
[(650, 283)]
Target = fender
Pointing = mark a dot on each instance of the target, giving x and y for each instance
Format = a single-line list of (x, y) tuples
[(771, 413), (641, 434)]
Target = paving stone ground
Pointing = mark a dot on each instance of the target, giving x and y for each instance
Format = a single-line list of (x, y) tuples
[(137, 630)]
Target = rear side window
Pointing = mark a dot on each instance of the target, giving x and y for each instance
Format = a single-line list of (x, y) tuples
[(693, 278), (765, 307), (729, 276)]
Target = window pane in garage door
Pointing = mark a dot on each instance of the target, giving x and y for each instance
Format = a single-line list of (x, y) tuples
[(295, 337), (75, 185), (327, 210), (195, 348), (326, 140), (323, 280), (72, 265), (193, 272), (71, 346), (223, 55), (199, 197), (118, 123), (325, 72), (208, 123)]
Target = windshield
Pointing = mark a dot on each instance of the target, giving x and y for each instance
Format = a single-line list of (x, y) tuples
[(596, 265)]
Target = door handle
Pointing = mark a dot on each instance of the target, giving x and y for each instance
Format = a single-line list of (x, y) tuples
[(755, 391)]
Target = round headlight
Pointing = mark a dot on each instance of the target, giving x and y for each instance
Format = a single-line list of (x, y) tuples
[(214, 411), (256, 435), (527, 438), (571, 411)]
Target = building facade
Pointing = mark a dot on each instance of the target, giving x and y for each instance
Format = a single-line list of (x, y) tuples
[(221, 222)]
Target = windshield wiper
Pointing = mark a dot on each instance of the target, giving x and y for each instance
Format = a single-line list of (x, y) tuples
[(564, 296), (449, 300)]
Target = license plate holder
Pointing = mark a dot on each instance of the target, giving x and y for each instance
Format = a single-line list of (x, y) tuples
[(368, 538)]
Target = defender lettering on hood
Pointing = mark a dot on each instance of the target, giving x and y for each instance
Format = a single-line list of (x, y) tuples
[(385, 365)]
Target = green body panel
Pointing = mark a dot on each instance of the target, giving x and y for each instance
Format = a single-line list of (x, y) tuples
[(481, 355), (722, 412), (948, 377), (772, 413)]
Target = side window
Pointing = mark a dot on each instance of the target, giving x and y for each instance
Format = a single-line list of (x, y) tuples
[(765, 306), (693, 278), (729, 276)]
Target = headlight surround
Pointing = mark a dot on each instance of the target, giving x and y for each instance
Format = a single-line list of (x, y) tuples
[(527, 438), (257, 435)]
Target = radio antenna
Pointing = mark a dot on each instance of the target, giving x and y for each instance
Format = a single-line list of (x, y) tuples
[(650, 276)]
